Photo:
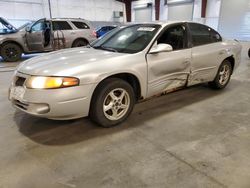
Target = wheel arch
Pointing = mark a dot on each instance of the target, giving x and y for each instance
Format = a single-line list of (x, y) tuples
[(12, 41), (231, 59), (129, 78), (79, 38)]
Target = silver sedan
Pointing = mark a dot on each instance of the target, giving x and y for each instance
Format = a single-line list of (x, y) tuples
[(130, 64)]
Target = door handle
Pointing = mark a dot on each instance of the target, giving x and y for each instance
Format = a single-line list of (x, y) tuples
[(73, 32)]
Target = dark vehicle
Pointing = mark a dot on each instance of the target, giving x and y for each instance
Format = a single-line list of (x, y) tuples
[(103, 30)]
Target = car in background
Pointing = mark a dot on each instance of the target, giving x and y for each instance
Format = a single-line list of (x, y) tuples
[(103, 30), (43, 35), (125, 66)]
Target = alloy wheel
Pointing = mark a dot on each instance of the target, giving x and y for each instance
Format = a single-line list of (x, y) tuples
[(224, 74), (116, 104)]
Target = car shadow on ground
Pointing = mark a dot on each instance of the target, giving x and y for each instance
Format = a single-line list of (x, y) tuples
[(51, 132)]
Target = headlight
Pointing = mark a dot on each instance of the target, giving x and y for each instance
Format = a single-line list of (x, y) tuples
[(42, 82)]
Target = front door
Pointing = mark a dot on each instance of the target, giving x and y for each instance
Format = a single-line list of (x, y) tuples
[(169, 70), (35, 36)]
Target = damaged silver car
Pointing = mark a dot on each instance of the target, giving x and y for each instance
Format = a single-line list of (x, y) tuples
[(44, 35), (127, 65)]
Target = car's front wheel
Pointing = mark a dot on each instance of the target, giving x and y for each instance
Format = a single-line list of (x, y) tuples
[(11, 52), (112, 102), (249, 52), (223, 76)]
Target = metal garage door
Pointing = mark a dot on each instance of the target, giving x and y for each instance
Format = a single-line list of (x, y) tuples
[(143, 14), (180, 11), (234, 19)]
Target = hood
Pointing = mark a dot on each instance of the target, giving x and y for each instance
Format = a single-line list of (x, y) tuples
[(69, 62), (8, 27)]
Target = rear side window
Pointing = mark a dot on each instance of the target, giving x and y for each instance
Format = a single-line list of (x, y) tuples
[(202, 34), (104, 29), (81, 25), (215, 37), (61, 25)]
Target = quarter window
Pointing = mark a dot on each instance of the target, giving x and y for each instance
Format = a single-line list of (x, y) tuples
[(61, 25), (175, 36), (202, 34), (81, 25), (215, 37)]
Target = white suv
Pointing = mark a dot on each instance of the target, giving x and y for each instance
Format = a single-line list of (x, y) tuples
[(43, 35)]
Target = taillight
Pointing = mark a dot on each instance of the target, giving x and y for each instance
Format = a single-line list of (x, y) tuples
[(94, 33)]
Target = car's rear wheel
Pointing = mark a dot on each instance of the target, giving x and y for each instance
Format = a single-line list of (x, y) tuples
[(249, 52), (112, 102), (79, 43), (223, 76), (11, 52)]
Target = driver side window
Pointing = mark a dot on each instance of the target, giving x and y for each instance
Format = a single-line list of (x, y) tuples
[(175, 36), (39, 26)]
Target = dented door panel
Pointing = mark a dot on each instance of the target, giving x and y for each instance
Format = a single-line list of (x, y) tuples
[(206, 60), (168, 70)]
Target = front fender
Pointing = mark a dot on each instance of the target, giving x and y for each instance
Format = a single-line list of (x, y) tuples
[(142, 81)]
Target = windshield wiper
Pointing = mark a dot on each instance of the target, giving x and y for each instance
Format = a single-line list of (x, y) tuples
[(105, 48)]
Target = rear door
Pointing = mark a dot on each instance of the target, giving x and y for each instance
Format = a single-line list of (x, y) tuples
[(207, 53), (63, 32), (170, 70)]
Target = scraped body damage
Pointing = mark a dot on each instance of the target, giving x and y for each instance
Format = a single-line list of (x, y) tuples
[(167, 71)]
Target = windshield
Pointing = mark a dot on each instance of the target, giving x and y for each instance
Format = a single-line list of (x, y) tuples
[(131, 39)]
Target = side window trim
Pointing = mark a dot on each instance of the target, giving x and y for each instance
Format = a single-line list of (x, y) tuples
[(186, 35), (191, 39), (57, 21), (81, 22), (38, 21), (164, 29)]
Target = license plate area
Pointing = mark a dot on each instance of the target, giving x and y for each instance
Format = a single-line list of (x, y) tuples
[(17, 93)]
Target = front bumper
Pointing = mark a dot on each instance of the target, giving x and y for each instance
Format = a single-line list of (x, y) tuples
[(60, 104)]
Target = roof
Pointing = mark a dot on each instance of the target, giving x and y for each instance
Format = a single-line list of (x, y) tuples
[(163, 23), (72, 19)]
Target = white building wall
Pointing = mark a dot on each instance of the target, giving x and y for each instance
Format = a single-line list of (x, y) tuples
[(213, 13), (20, 11), (234, 20), (197, 12), (142, 3), (163, 11), (94, 10)]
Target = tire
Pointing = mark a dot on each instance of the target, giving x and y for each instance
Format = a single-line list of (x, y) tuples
[(223, 76), (249, 52), (118, 106), (11, 52), (79, 43)]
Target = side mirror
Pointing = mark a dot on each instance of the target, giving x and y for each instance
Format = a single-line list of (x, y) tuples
[(161, 48), (28, 29)]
